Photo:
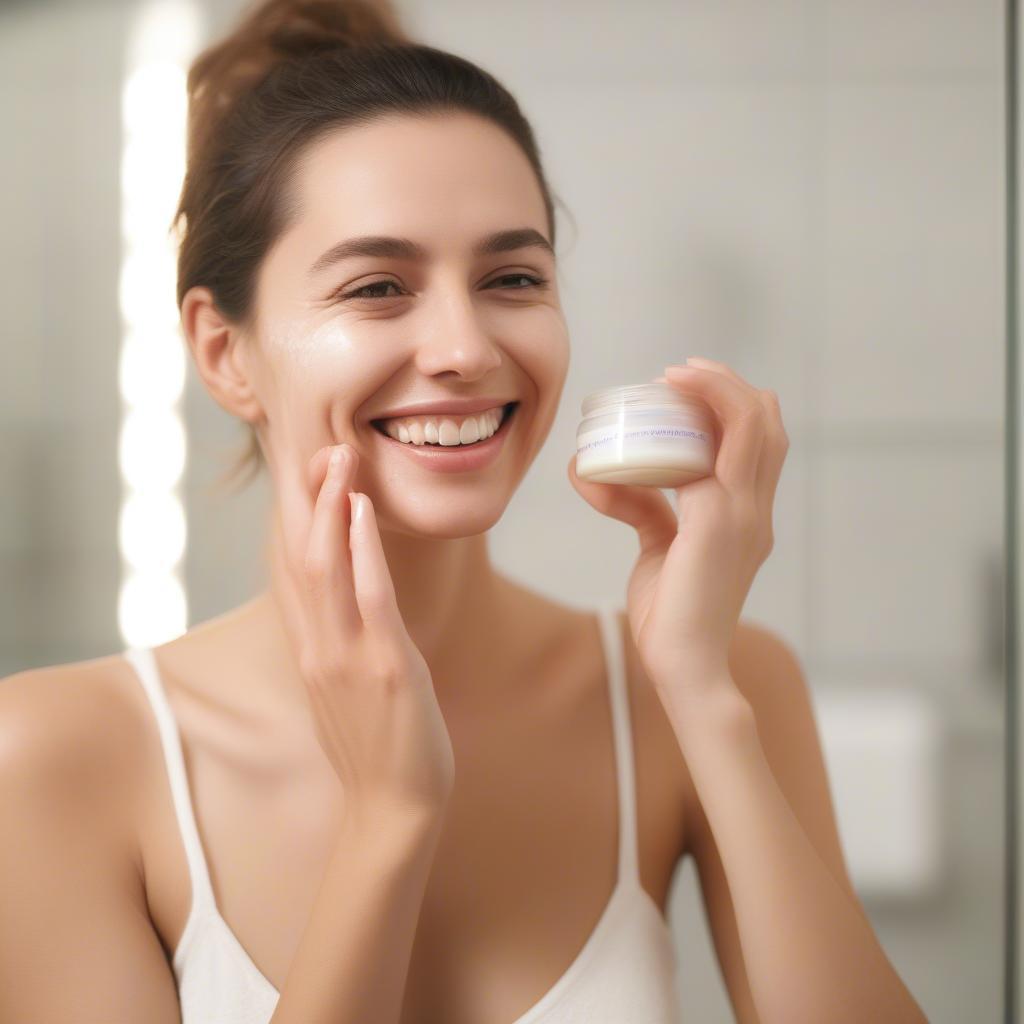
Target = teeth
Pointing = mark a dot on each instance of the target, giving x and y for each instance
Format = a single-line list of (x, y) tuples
[(447, 431)]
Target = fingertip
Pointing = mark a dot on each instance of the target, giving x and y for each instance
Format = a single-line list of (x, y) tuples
[(316, 467), (350, 452)]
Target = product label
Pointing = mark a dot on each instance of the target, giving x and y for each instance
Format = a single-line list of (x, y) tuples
[(595, 440)]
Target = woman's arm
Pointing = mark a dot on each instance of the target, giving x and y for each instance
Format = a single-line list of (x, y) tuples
[(76, 940), (352, 962), (805, 947), (808, 949)]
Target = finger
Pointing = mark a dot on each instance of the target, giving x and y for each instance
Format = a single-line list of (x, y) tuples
[(723, 368), (287, 591), (741, 418), (646, 509), (373, 585), (776, 447), (291, 516), (331, 604), (317, 466), (295, 496), (776, 443)]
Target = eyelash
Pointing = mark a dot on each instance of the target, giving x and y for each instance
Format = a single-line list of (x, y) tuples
[(536, 282)]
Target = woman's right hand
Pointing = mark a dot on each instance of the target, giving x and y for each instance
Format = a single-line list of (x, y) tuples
[(375, 710)]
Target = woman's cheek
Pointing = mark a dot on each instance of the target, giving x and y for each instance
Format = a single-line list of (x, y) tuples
[(544, 352)]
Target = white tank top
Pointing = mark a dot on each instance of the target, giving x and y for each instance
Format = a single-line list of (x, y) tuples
[(624, 974)]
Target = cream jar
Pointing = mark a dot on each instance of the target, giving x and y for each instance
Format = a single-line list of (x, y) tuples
[(648, 434)]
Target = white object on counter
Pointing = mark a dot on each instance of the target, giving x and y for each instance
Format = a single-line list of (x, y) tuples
[(883, 749)]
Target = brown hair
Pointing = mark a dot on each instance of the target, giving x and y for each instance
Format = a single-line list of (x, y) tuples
[(289, 72)]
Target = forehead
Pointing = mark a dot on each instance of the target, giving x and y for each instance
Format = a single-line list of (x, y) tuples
[(433, 177)]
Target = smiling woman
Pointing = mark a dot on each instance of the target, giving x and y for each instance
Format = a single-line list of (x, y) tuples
[(397, 786), (366, 278)]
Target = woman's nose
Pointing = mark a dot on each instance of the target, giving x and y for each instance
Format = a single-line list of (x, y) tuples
[(458, 338)]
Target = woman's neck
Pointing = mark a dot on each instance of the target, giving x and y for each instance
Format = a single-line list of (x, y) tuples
[(456, 608)]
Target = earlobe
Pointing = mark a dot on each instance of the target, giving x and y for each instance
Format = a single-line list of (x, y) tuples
[(218, 347)]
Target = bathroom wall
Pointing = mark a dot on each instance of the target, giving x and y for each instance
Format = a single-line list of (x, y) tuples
[(60, 71), (810, 191)]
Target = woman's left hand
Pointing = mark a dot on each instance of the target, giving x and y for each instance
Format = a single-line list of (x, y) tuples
[(697, 563)]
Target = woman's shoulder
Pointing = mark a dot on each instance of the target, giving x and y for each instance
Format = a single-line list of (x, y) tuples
[(74, 730), (69, 789)]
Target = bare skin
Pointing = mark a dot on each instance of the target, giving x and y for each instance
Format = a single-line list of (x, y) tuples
[(535, 784), (520, 679)]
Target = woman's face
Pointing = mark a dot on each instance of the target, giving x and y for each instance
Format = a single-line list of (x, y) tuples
[(450, 323)]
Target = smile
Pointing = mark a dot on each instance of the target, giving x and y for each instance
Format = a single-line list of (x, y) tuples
[(453, 458), (444, 430)]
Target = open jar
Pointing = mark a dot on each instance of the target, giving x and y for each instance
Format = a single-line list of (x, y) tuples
[(647, 434)]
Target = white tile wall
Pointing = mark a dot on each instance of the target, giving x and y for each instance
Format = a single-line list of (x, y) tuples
[(940, 39), (913, 250), (59, 330), (898, 555)]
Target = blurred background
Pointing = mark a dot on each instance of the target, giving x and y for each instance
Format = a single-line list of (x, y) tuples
[(812, 191)]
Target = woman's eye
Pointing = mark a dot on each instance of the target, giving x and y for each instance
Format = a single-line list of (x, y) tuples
[(360, 293), (365, 291), (534, 281)]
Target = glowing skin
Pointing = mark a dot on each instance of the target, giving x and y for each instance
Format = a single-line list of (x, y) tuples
[(318, 366)]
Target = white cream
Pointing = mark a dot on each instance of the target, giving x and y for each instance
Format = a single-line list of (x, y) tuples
[(648, 434)]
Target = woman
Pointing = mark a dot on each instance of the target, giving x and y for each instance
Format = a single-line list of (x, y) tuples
[(411, 783)]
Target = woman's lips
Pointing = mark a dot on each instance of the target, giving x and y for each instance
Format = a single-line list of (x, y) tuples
[(457, 458)]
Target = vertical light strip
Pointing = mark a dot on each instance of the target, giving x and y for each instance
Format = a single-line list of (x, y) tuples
[(1013, 619), (152, 606)]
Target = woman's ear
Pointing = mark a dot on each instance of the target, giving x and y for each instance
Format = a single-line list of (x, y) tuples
[(218, 347)]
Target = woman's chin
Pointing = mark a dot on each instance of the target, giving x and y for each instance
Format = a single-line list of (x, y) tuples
[(449, 520)]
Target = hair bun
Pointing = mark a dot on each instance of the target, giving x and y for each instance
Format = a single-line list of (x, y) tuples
[(294, 27), (268, 34)]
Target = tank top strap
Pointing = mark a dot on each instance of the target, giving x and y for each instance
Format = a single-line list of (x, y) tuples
[(144, 663), (622, 732)]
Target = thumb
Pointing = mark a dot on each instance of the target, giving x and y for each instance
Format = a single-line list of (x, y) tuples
[(646, 509)]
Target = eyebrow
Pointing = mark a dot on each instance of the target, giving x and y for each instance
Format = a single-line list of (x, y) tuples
[(388, 247)]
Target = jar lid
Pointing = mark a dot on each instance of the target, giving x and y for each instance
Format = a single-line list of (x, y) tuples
[(656, 395)]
